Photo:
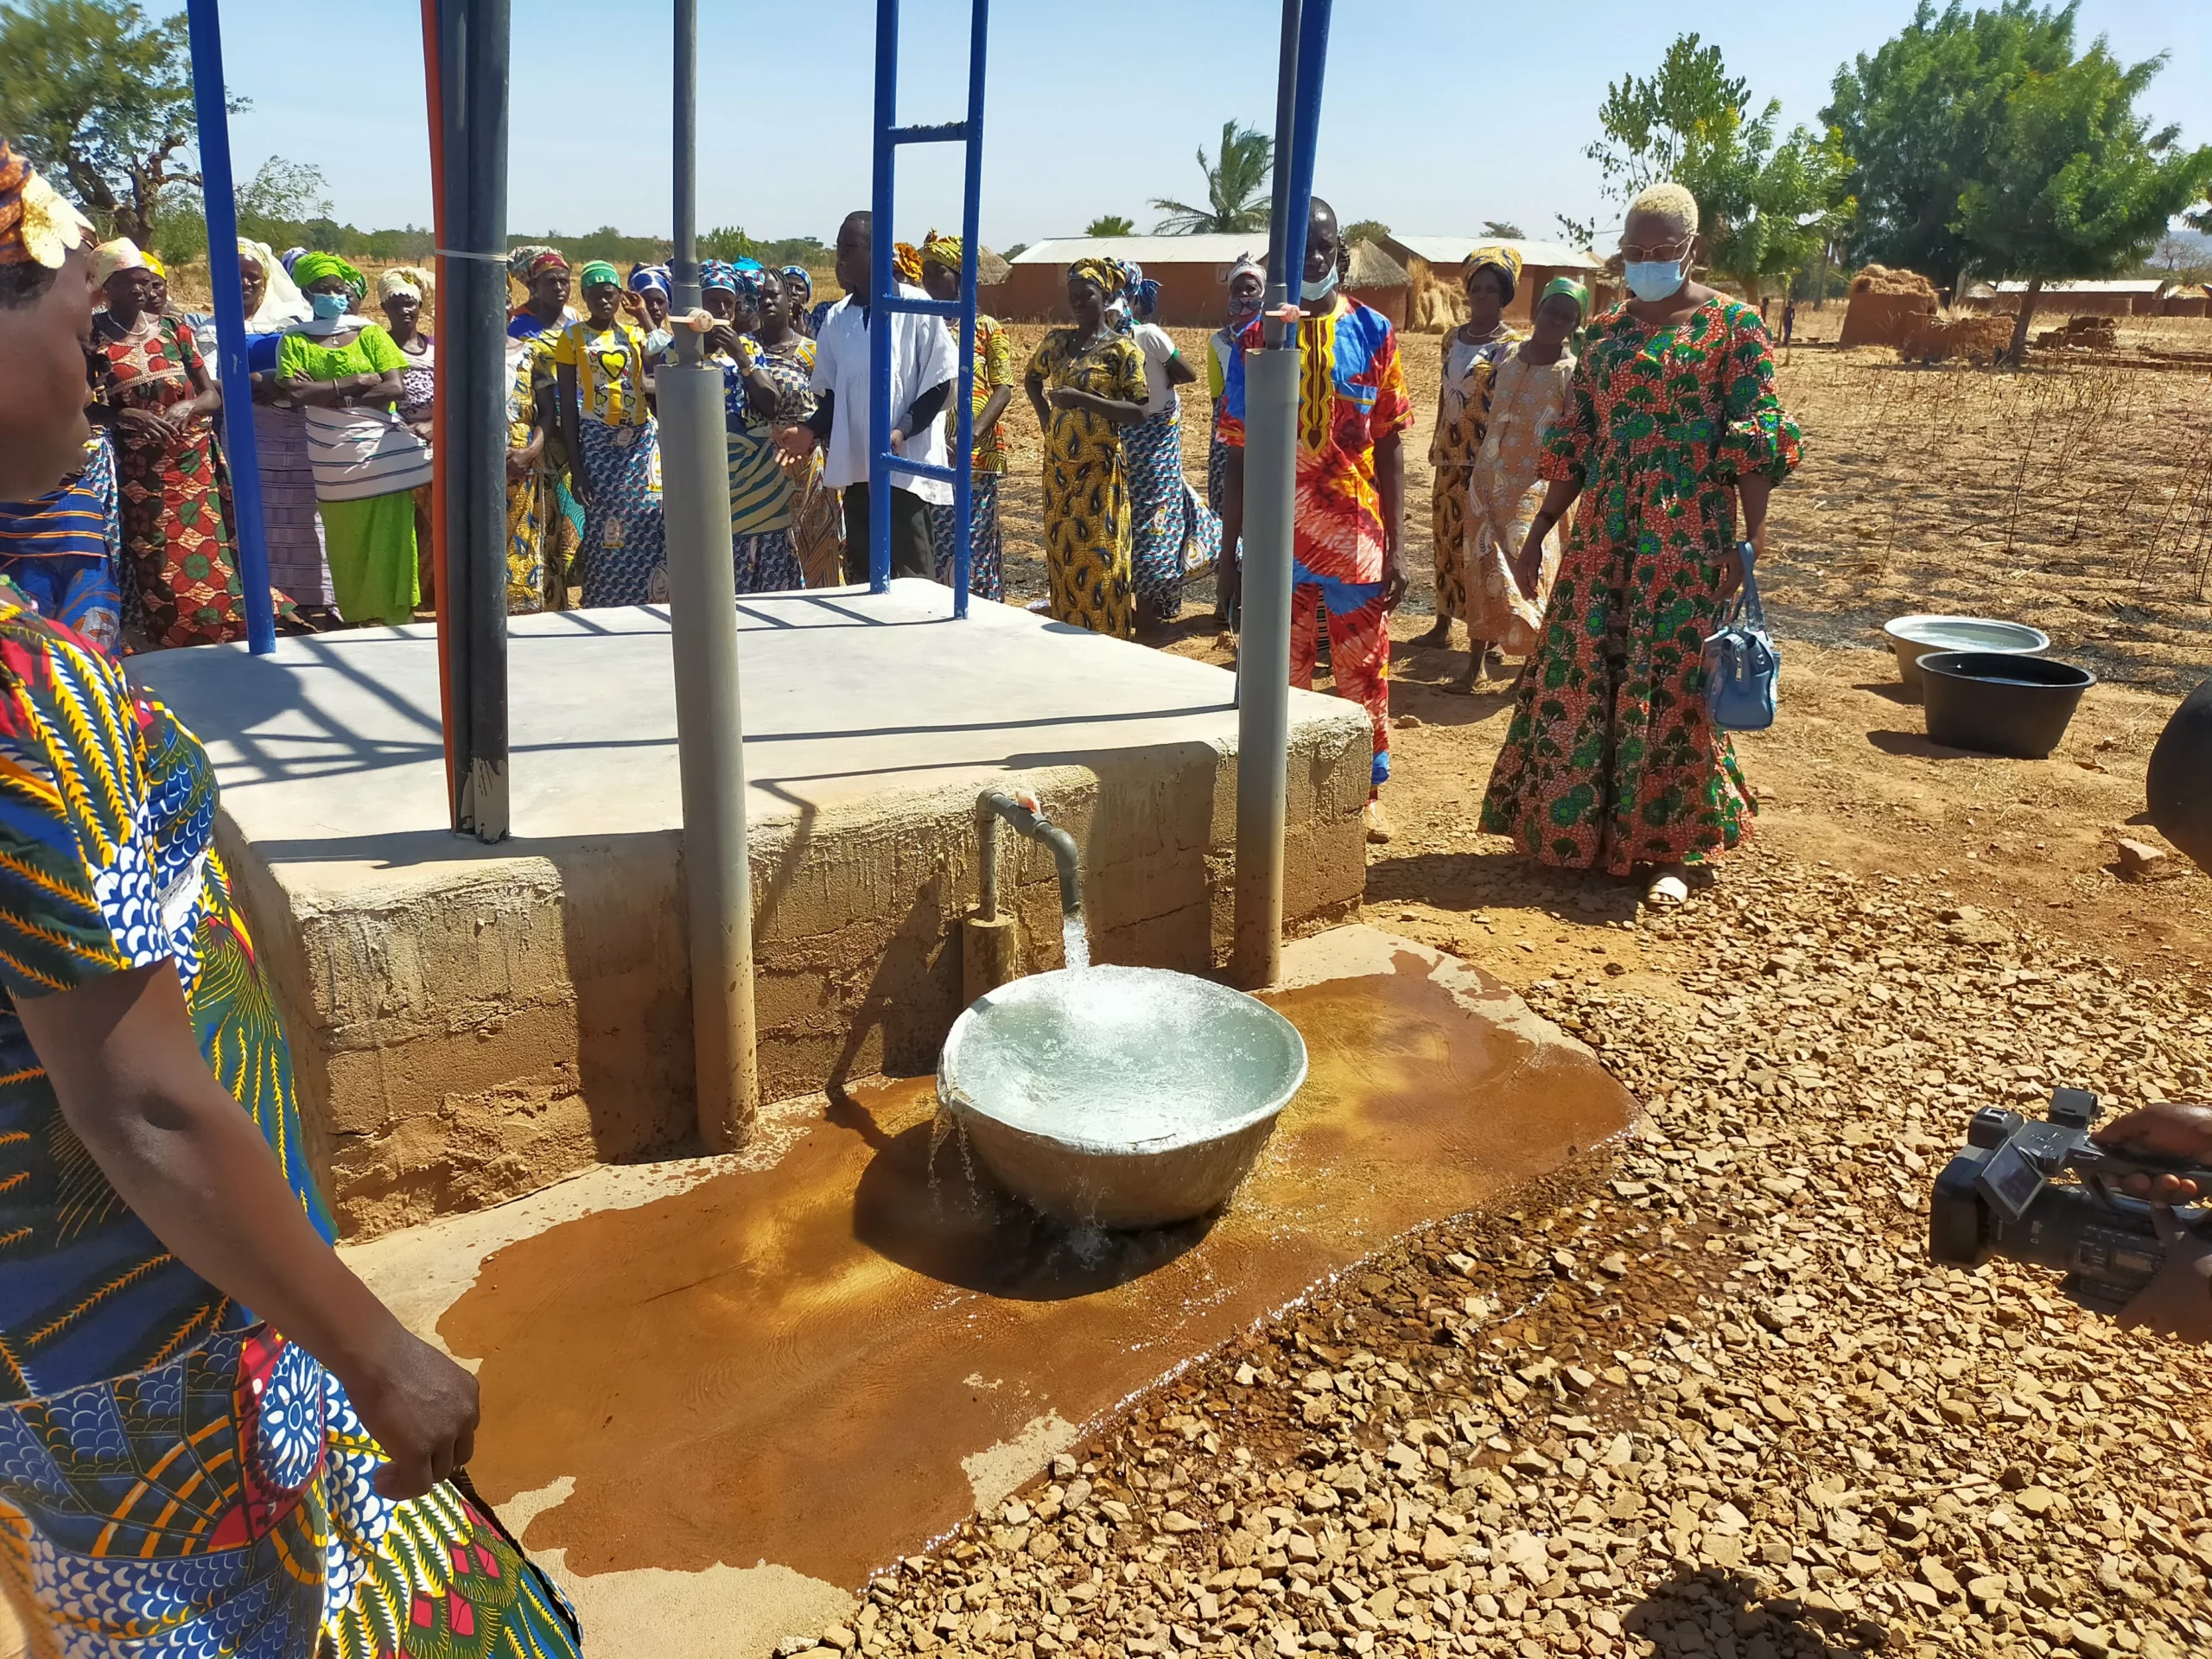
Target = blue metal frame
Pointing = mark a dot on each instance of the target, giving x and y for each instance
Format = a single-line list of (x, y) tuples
[(886, 301), (205, 35)]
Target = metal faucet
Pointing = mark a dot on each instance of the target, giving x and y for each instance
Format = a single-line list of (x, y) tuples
[(1028, 818)]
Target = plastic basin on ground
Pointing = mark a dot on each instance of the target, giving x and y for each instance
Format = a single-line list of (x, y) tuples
[(1999, 704), (1119, 1097), (1914, 637)]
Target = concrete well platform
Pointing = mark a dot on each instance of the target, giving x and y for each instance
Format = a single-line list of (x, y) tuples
[(718, 1393), (469, 1024)]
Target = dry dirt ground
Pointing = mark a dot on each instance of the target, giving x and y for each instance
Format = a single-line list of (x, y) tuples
[(1709, 1397)]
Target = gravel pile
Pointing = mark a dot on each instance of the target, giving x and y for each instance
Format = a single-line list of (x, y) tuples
[(1706, 1399)]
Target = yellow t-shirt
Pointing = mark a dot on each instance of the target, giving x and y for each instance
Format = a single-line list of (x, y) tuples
[(610, 365)]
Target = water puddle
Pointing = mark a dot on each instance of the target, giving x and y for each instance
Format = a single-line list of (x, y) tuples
[(792, 1364)]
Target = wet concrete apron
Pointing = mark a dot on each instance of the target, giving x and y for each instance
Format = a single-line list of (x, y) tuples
[(824, 1363)]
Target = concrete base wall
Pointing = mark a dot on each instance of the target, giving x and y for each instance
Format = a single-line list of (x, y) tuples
[(469, 1025)]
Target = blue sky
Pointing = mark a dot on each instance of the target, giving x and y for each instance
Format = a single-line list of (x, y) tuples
[(1449, 113)]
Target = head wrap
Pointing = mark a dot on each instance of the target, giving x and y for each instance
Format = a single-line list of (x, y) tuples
[(1111, 274), (1243, 310), (37, 226), (596, 271), (796, 277), (312, 267), (154, 265), (290, 258), (905, 262), (650, 279), (751, 284), (1144, 295), (717, 273), (527, 265), (404, 279), (1496, 258), (942, 250), (122, 254), (282, 302), (1573, 290)]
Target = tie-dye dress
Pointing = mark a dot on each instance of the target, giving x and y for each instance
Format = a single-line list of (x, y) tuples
[(175, 1475)]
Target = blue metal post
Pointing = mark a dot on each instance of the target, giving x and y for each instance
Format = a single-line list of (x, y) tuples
[(880, 290), (963, 483), (205, 35), (1313, 61)]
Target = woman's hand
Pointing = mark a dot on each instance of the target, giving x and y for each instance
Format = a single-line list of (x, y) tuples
[(1528, 563), (1731, 573), (142, 423), (796, 442), (1065, 397), (422, 1409)]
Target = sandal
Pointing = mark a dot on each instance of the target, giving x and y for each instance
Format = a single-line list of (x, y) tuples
[(1668, 887)]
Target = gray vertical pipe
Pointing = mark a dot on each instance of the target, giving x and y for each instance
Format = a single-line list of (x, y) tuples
[(477, 417), (1264, 637), (709, 735)]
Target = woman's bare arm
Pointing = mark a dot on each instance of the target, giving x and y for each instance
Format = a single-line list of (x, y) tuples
[(184, 1155)]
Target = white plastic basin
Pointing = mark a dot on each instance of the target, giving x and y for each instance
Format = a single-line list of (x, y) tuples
[(1914, 637)]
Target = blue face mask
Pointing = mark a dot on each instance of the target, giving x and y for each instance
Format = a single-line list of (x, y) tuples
[(329, 308), (1320, 290), (1652, 280)]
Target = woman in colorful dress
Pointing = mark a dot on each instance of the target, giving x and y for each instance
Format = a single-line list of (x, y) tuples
[(184, 1476), (798, 296), (600, 368), (171, 479), (1675, 438), (291, 525), (346, 373), (1529, 397), (765, 378), (1087, 385), (62, 551), (1171, 532), (992, 391), (1471, 353), (1248, 282), (402, 292)]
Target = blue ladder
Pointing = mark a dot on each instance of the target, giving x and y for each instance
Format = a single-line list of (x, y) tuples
[(885, 300)]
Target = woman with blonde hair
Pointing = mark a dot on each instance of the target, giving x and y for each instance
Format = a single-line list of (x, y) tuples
[(1676, 434)]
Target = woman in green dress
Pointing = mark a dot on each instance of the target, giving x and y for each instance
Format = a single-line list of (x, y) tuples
[(347, 374), (1086, 383)]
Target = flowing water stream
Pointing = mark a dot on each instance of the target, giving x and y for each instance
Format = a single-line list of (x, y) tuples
[(1074, 940)]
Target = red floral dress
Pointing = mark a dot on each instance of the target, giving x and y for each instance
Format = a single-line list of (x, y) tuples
[(1612, 760), (175, 492)]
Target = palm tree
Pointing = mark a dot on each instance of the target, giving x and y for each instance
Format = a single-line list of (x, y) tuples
[(1110, 225), (1236, 185)]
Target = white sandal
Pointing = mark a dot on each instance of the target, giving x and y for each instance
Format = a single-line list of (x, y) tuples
[(1668, 887)]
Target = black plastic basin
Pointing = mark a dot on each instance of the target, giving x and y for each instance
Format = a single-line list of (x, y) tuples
[(1997, 703)]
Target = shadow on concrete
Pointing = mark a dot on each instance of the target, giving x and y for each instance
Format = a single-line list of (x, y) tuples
[(924, 1202), (1713, 1609)]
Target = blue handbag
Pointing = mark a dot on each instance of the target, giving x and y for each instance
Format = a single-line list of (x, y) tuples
[(1742, 667)]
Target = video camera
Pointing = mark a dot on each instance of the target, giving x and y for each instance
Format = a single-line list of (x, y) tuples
[(2001, 1196)]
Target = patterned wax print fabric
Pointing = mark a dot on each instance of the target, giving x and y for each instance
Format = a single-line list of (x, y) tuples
[(760, 489), (1086, 494), (174, 488), (541, 538), (63, 550), (1351, 392), (610, 365), (623, 559), (1462, 410), (766, 564), (368, 463), (418, 381), (986, 553), (1173, 534), (1610, 759), (1220, 347), (1504, 493), (177, 1477), (994, 370)]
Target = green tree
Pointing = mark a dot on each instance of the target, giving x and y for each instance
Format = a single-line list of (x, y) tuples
[(1110, 225), (1918, 117), (283, 203), (1765, 206), (727, 242), (1364, 230), (1504, 229), (2075, 183), (1236, 188), (180, 226), (100, 96)]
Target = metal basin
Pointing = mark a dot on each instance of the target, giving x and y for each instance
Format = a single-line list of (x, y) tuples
[(1119, 1096), (1914, 637)]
